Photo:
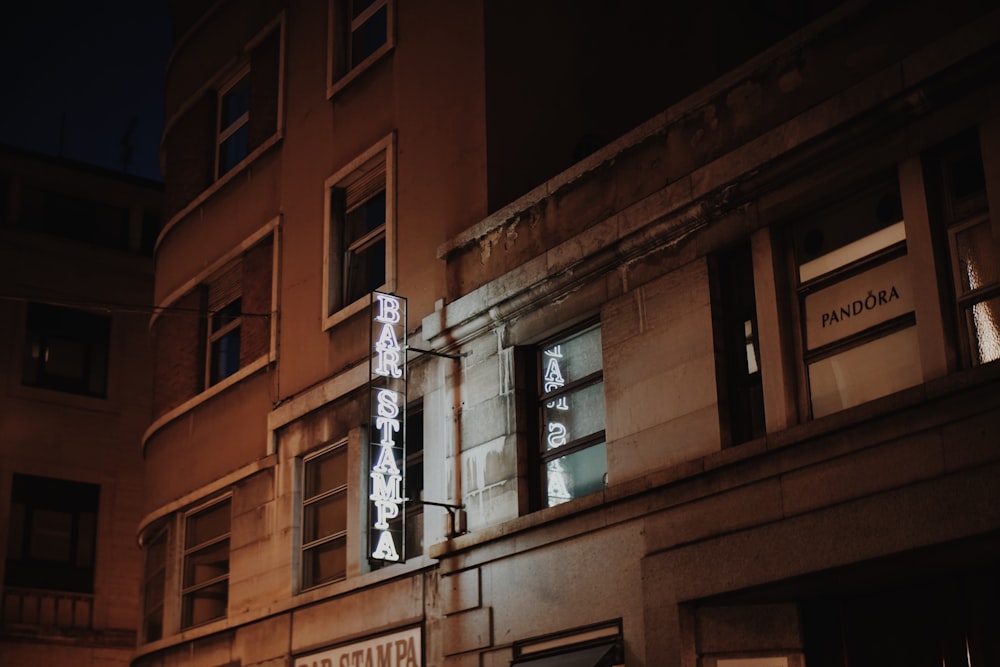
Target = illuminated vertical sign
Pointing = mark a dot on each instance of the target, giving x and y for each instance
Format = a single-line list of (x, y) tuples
[(386, 430), (556, 432)]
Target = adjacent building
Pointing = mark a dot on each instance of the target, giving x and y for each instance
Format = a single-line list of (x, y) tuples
[(76, 279), (495, 333)]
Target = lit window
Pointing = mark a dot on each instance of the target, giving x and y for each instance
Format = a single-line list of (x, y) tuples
[(360, 230), (52, 530), (856, 302), (324, 516), (572, 452), (974, 251), (234, 126), (205, 593), (360, 32), (66, 350), (154, 579)]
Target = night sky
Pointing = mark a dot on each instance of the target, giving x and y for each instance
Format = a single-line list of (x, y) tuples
[(76, 76)]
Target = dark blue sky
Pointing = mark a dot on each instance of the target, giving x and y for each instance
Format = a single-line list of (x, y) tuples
[(75, 76)]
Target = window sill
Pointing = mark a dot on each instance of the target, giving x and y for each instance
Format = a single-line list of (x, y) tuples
[(198, 399), (624, 501), (217, 185), (347, 312), (334, 87)]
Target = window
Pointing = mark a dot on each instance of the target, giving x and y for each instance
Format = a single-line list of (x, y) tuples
[(360, 32), (594, 646), (571, 451), (234, 125), (975, 255), (53, 526), (154, 580), (855, 301), (741, 396), (205, 593), (224, 320), (66, 350), (324, 516), (226, 125), (360, 230)]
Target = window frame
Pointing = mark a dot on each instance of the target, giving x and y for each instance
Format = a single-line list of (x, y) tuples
[(187, 590), (223, 134), (38, 496), (961, 215), (98, 336), (341, 28), (341, 448), (223, 291), (538, 456), (149, 580), (891, 241), (364, 168)]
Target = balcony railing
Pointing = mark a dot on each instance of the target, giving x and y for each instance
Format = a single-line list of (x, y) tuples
[(52, 610)]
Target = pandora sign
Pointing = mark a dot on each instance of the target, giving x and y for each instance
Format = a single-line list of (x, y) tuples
[(387, 450)]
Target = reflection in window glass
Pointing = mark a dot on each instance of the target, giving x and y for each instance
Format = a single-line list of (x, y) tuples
[(324, 517), (571, 417), (860, 374), (205, 594)]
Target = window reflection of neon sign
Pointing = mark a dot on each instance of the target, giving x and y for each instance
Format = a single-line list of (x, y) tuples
[(387, 451), (556, 432)]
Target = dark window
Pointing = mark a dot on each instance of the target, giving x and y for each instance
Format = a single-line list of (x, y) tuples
[(571, 452), (234, 126), (359, 220), (205, 593), (76, 218), (324, 516), (53, 526), (360, 30), (741, 397), (66, 350), (225, 320), (154, 580)]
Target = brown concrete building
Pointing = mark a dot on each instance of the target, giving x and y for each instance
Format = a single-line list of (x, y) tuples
[(76, 278), (699, 357)]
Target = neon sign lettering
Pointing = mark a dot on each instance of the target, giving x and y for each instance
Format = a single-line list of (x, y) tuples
[(557, 433), (386, 431)]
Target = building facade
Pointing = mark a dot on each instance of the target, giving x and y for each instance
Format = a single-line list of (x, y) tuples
[(76, 272), (514, 333)]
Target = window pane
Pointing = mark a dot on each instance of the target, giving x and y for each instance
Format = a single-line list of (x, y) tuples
[(978, 264), (66, 350), (153, 593), (206, 604), (227, 314), (571, 359), (866, 372), (234, 148), (235, 103), (225, 355), (206, 564), (326, 472), (365, 218), (51, 536), (365, 271), (207, 524), (576, 475), (325, 562), (573, 416), (983, 325), (324, 517), (371, 35)]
